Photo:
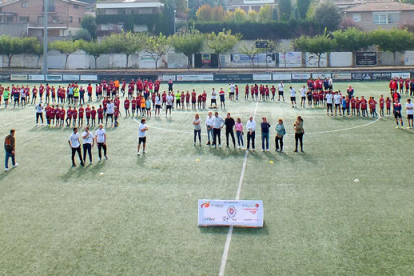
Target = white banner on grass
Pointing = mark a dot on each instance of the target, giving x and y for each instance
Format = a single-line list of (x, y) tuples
[(239, 213), (195, 77)]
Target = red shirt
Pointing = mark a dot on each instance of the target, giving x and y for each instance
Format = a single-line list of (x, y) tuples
[(204, 95), (62, 114), (93, 113), (381, 101), (193, 96), (69, 113), (88, 112), (388, 103), (81, 111), (89, 88), (74, 114), (126, 104), (364, 104), (100, 113), (372, 104)]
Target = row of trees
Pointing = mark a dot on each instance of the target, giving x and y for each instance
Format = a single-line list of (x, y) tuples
[(193, 42), (353, 40)]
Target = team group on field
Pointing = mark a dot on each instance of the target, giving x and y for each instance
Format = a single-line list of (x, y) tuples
[(141, 96)]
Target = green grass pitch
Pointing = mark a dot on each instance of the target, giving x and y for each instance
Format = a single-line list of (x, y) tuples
[(140, 217)]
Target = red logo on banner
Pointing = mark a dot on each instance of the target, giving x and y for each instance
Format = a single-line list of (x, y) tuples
[(205, 205)]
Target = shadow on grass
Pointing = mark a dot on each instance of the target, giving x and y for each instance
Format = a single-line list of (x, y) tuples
[(224, 152), (4, 175), (236, 231), (79, 171)]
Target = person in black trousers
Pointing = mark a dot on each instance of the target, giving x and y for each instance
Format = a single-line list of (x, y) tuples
[(229, 122)]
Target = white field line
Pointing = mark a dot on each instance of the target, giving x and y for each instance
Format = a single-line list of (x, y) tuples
[(230, 233)]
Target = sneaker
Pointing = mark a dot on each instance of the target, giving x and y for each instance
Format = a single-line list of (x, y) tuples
[(194, 144), (100, 159), (267, 150), (6, 169), (262, 150), (73, 165), (301, 150), (15, 165), (238, 147), (295, 150), (90, 163), (83, 164), (219, 145), (138, 153), (397, 127), (106, 158), (144, 151)]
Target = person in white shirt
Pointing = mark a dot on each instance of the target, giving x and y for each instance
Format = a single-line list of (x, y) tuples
[(157, 104), (292, 96), (213, 98), (337, 100), (303, 96), (329, 99), (110, 109), (74, 144), (280, 88), (251, 132), (197, 128), (100, 138), (218, 124), (232, 89), (170, 102), (142, 136), (39, 113), (409, 107), (330, 84), (88, 143), (209, 125)]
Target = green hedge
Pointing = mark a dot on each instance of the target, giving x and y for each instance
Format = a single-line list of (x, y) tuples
[(272, 30)]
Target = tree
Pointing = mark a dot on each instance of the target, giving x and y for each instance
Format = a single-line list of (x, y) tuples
[(303, 7), (394, 40), (222, 42), (94, 49), (252, 16), (126, 43), (11, 46), (89, 23), (239, 16), (328, 15), (283, 49), (352, 40), (250, 51), (82, 34), (157, 46), (207, 13), (188, 43), (65, 47), (265, 14), (316, 45), (285, 9)]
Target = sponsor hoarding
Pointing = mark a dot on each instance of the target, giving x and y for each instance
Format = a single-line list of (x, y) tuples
[(88, 77), (312, 60), (54, 77), (262, 77), (341, 76), (366, 58), (301, 76), (15, 77), (71, 77), (238, 213), (282, 77), (207, 77), (233, 77), (166, 77), (400, 75), (321, 75), (36, 77)]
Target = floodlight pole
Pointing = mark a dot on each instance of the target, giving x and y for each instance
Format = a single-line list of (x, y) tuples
[(46, 11)]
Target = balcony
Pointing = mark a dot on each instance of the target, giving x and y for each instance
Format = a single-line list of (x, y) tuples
[(50, 9), (50, 25)]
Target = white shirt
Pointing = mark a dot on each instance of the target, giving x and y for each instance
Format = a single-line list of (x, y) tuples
[(210, 121), (157, 100), (110, 108), (293, 92), (409, 107), (198, 126), (303, 92), (88, 139), (213, 94), (232, 88), (218, 122), (142, 133), (328, 98), (280, 87), (74, 140), (100, 135), (39, 108), (169, 99), (251, 126), (337, 98)]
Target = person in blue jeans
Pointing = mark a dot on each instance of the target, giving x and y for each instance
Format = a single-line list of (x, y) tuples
[(280, 132), (265, 126), (9, 147)]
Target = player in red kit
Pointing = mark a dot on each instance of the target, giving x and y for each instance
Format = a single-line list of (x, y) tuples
[(364, 105), (372, 107), (388, 105), (381, 104), (100, 114), (126, 107), (193, 99), (88, 115), (81, 114), (93, 116)]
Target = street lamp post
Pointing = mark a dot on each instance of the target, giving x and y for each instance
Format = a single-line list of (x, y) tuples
[(46, 10)]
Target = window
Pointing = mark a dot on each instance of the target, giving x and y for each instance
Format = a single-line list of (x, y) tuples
[(9, 19), (24, 19), (25, 4), (79, 20), (76, 6), (356, 17), (70, 19), (385, 18), (55, 19)]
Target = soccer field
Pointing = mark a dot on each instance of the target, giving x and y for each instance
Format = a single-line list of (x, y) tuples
[(140, 216)]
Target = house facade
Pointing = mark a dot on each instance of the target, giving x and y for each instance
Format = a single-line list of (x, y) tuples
[(127, 15), (386, 15), (64, 16)]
